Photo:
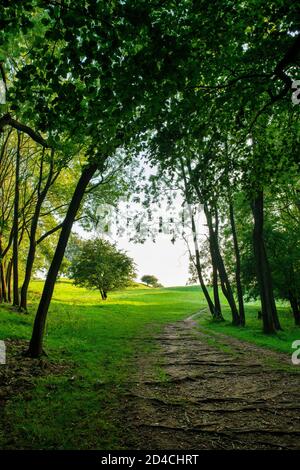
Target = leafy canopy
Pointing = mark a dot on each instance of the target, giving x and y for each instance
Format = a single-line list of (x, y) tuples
[(98, 264)]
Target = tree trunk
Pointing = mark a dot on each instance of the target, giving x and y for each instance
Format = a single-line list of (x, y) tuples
[(36, 342), (237, 266), (199, 268), (214, 263), (16, 228), (225, 284), (269, 312), (102, 293), (33, 228), (218, 311), (3, 283), (8, 280), (195, 240), (3, 296), (295, 307), (30, 256)]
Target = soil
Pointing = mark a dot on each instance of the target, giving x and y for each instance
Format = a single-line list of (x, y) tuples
[(17, 376), (199, 390)]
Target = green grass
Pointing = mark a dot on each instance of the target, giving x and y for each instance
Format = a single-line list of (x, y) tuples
[(252, 332), (101, 340)]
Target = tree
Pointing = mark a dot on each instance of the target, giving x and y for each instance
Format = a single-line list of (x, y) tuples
[(150, 280), (88, 78), (98, 264)]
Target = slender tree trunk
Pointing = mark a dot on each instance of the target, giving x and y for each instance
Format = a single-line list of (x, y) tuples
[(3, 296), (3, 282), (30, 256), (16, 228), (196, 247), (199, 271), (269, 312), (8, 280), (36, 342), (237, 266), (225, 284), (42, 193), (218, 311)]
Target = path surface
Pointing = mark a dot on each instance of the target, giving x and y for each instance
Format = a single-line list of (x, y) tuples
[(202, 391)]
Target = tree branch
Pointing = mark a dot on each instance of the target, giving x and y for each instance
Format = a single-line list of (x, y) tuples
[(7, 120)]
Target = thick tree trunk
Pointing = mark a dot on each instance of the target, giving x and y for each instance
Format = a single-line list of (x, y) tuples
[(102, 293), (16, 228), (36, 342), (295, 307), (225, 284), (269, 312), (237, 267)]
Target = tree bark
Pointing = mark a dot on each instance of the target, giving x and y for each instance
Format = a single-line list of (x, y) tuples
[(237, 266), (210, 303), (197, 251), (3, 283), (36, 342), (264, 279), (295, 307), (32, 237), (218, 311), (225, 284), (16, 228), (3, 296), (8, 280)]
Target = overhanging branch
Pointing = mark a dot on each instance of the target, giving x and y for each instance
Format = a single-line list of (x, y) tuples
[(7, 120)]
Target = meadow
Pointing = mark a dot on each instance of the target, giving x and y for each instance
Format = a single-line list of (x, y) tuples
[(100, 342)]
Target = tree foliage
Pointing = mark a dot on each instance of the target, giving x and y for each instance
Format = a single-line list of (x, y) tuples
[(98, 264)]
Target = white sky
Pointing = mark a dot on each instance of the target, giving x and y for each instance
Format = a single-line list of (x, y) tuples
[(167, 261)]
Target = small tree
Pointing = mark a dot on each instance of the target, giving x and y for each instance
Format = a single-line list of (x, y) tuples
[(98, 264), (150, 280)]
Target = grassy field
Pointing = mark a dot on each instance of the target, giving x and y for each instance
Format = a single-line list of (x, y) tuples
[(100, 341), (253, 331)]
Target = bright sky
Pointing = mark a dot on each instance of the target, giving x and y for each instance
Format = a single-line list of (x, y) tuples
[(167, 261)]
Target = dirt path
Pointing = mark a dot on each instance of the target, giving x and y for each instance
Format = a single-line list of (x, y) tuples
[(203, 391)]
